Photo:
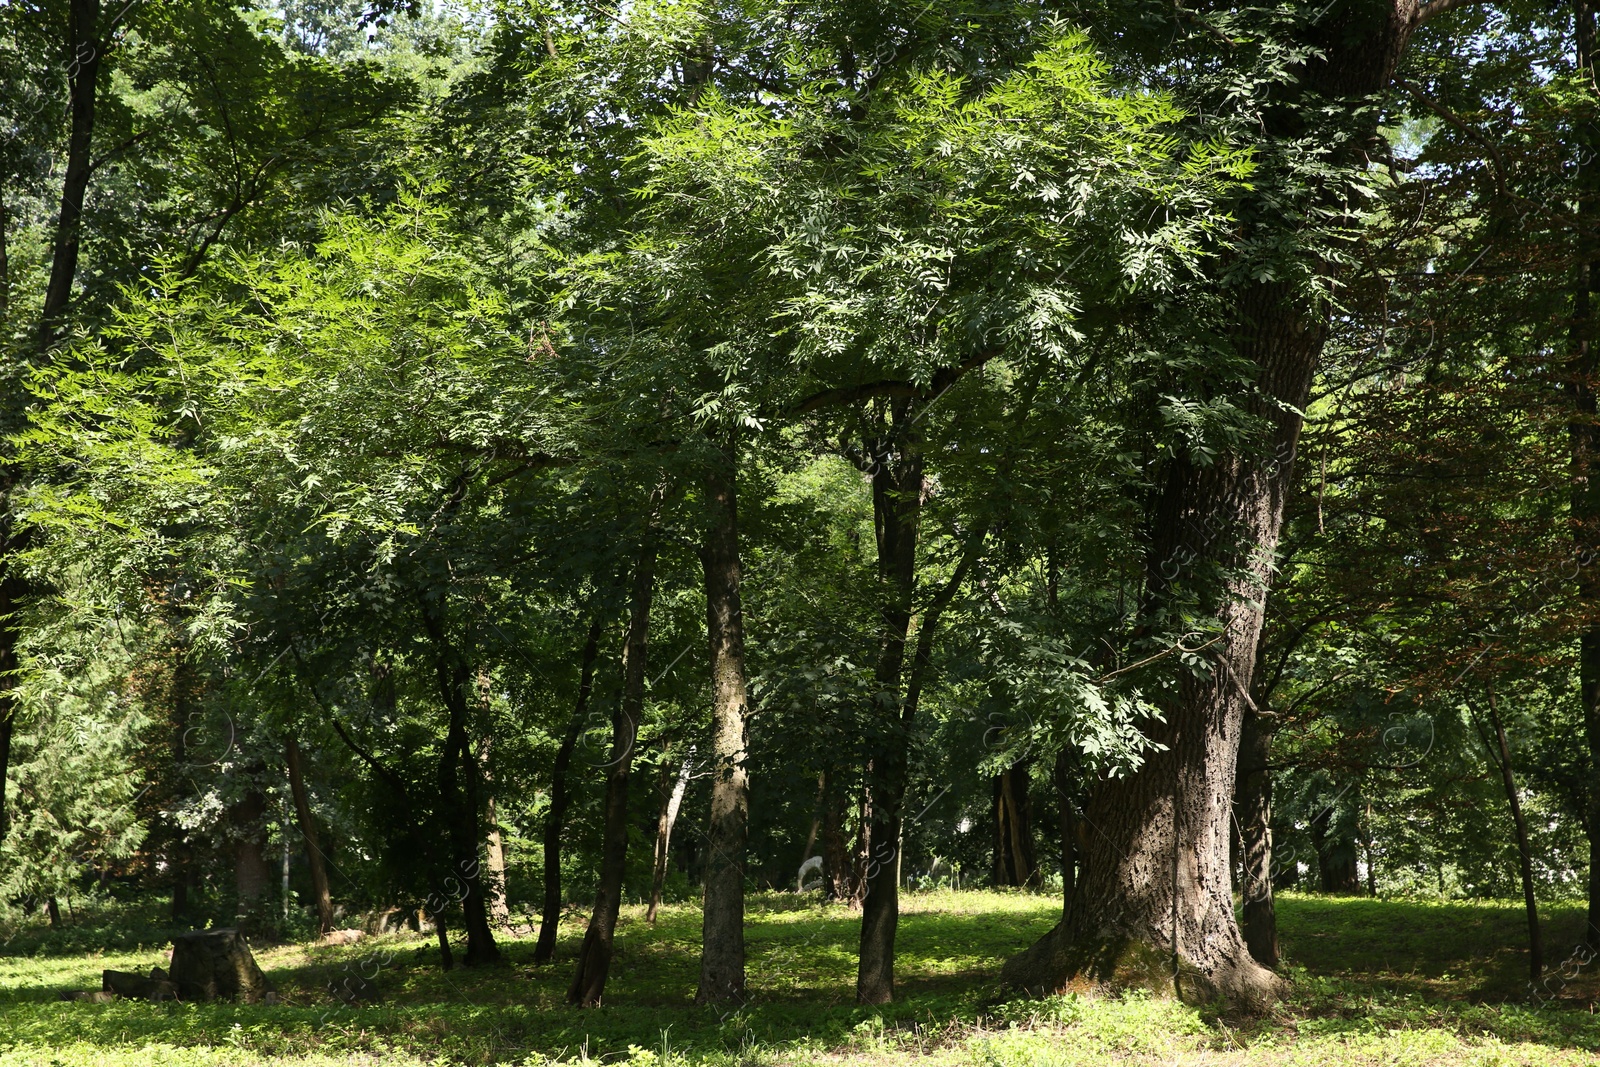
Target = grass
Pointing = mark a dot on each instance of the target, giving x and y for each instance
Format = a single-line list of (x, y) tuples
[(1376, 982)]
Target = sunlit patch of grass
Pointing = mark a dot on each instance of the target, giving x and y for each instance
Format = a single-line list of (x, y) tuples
[(1377, 982)]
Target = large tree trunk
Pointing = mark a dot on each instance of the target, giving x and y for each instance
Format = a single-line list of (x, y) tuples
[(722, 928), (1585, 441), (671, 805), (1253, 813), (560, 798), (83, 75), (252, 873), (1015, 863), (1156, 908), (308, 834), (594, 958)]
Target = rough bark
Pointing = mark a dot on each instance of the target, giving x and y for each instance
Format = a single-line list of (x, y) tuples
[(594, 958), (1155, 908), (560, 798), (83, 76), (672, 803), (1584, 434), (722, 977), (1015, 863), (1253, 814), (308, 834)]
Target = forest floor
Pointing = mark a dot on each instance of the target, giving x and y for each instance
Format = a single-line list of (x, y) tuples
[(1376, 982)]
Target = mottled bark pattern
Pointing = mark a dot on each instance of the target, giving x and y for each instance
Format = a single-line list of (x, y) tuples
[(722, 976)]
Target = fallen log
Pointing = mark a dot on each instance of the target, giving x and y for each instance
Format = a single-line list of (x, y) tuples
[(131, 986)]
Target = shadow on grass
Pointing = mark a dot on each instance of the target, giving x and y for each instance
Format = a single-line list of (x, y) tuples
[(1362, 967), (801, 972)]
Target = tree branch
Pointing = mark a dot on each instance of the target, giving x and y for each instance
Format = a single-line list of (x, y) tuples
[(1424, 12), (941, 382)]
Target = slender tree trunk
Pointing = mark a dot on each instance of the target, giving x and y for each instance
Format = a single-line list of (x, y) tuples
[(1065, 777), (495, 854), (880, 910), (1015, 863), (441, 928), (1524, 850), (457, 782), (1372, 862), (308, 833), (722, 930), (664, 824), (1253, 814), (560, 797), (5, 262), (7, 727), (594, 959), (1584, 434), (494, 845), (897, 510), (838, 868), (53, 910), (83, 75), (811, 835)]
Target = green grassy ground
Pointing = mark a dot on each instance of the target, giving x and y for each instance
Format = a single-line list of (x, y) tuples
[(1376, 982)]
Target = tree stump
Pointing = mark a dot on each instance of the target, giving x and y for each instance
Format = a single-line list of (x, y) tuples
[(208, 964)]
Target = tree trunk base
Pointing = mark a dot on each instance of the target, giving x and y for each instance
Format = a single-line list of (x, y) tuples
[(208, 964), (1057, 963)]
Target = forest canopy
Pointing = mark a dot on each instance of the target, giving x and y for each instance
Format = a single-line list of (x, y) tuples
[(480, 460)]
